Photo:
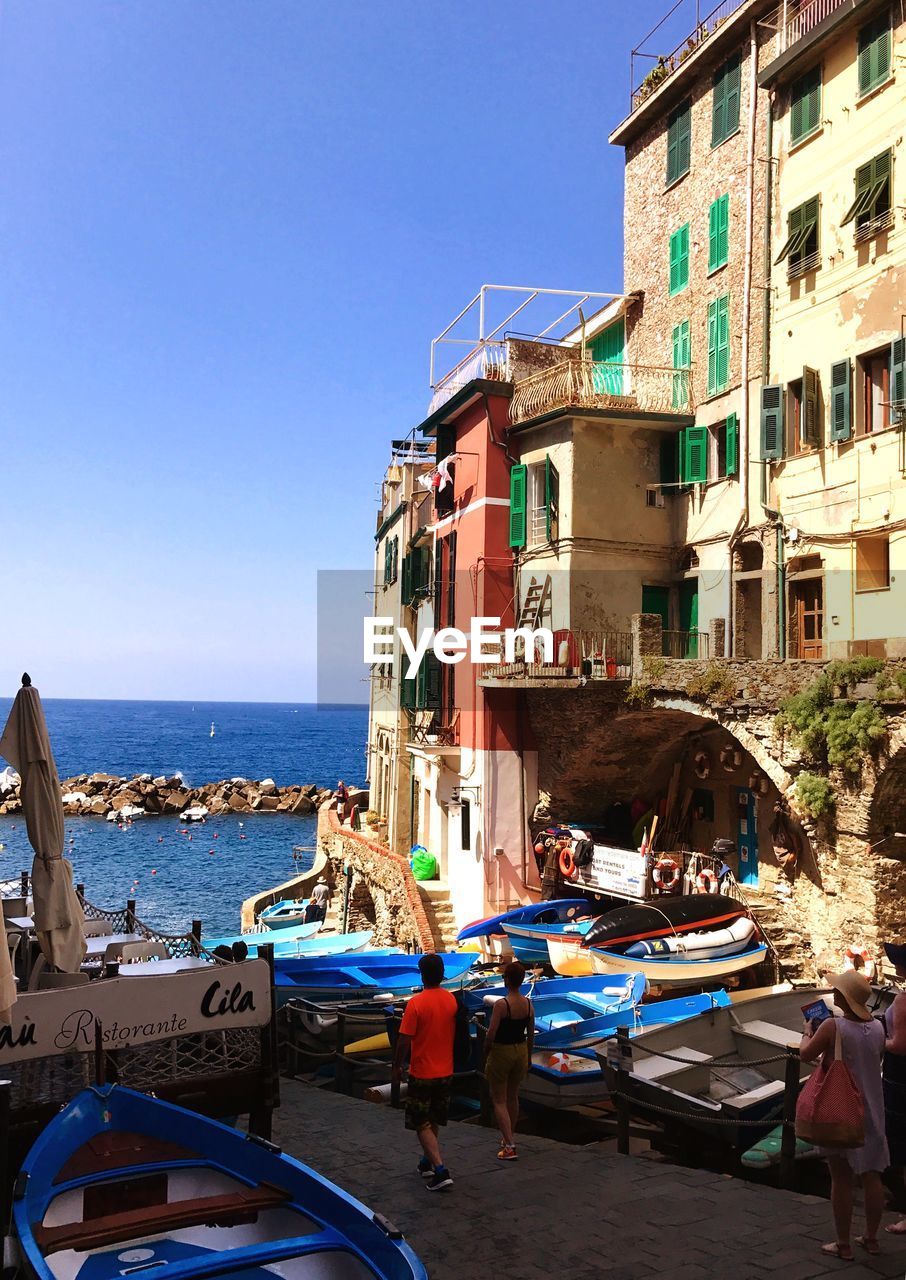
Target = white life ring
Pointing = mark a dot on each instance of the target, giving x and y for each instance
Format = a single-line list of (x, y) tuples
[(663, 868), (708, 881), (702, 764)]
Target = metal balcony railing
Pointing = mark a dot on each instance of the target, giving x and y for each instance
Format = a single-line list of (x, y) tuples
[(701, 26), (432, 729), (591, 384), (686, 644), (489, 361), (796, 19)]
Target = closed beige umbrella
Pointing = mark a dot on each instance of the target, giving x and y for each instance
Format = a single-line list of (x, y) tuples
[(59, 921), (7, 981)]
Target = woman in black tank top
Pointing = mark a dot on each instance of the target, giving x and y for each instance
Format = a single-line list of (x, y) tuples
[(508, 1050)]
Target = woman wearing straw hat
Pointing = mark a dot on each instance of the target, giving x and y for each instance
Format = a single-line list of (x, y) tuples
[(862, 1042), (895, 1089)]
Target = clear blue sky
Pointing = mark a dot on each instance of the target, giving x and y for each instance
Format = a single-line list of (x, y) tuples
[(228, 231)]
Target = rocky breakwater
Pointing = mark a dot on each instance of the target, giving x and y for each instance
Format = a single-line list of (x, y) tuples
[(104, 795)]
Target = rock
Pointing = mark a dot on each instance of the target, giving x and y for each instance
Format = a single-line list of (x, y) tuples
[(99, 807), (175, 801), (122, 799), (268, 802), (160, 782), (238, 803), (303, 805), (267, 786)]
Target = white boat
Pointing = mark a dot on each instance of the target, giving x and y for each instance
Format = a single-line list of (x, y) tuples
[(196, 813), (676, 970), (569, 958), (705, 944), (212, 728)]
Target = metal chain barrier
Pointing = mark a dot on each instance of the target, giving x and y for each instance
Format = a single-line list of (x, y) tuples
[(684, 1115)]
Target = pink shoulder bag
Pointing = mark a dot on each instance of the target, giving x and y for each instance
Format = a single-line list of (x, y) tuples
[(830, 1111)]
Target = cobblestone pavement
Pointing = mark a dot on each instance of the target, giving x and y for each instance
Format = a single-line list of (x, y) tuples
[(564, 1210)]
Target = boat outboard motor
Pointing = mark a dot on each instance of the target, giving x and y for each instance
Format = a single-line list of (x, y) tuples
[(583, 852), (722, 848)]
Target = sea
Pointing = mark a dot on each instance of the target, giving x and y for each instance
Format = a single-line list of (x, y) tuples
[(204, 872)]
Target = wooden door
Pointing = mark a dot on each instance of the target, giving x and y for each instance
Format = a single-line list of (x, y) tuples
[(809, 603)]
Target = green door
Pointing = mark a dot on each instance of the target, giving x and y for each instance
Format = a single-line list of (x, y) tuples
[(688, 618), (657, 600), (747, 837), (607, 349)]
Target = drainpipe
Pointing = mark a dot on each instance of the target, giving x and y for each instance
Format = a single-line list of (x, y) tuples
[(743, 451), (781, 592)]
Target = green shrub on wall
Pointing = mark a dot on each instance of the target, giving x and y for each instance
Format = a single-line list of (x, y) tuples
[(814, 794), (835, 734)]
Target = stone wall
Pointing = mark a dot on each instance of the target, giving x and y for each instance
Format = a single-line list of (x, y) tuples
[(383, 893)]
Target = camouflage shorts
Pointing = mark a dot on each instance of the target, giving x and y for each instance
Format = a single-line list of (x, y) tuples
[(427, 1102)]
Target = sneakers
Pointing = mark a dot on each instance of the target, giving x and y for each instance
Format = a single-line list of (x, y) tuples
[(507, 1153), (439, 1179), (425, 1168)]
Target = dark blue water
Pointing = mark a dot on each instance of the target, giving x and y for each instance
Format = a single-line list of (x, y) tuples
[(176, 879)]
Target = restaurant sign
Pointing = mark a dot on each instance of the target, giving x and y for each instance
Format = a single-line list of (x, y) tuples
[(133, 1011), (621, 872)]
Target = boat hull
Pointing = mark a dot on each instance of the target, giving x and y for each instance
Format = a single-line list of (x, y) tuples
[(556, 910), (669, 915), (359, 977), (677, 971)]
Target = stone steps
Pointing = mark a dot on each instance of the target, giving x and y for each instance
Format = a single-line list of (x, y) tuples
[(435, 896)]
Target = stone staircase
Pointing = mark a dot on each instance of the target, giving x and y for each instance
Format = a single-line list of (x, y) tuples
[(435, 895), (767, 909)]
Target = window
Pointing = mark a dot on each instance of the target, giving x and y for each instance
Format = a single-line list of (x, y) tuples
[(535, 498), (874, 54), (871, 209), (719, 233), (679, 259), (805, 105), (723, 448), (391, 560), (875, 377), (445, 445), (654, 496), (682, 359), (872, 564), (725, 101), (718, 344), (803, 413), (793, 416), (801, 245), (679, 142)]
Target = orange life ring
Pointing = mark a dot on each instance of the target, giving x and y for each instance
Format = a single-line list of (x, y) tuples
[(568, 866), (660, 872), (702, 764), (708, 880)]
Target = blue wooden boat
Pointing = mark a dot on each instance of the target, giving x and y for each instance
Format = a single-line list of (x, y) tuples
[(558, 910), (296, 934), (120, 1183), (357, 976), (575, 1077), (529, 941), (285, 914), (569, 1012), (321, 945)]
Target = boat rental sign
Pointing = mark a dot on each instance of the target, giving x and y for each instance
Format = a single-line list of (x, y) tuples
[(133, 1011)]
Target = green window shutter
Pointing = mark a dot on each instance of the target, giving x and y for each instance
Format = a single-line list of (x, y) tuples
[(841, 411), (864, 183), (696, 464), (725, 100), (897, 378), (723, 342), (874, 54), (406, 580), (719, 232), (772, 423), (431, 675), (408, 688), (712, 348), (794, 234), (551, 500), (679, 142), (810, 420), (679, 258), (732, 444), (518, 482), (805, 105), (682, 359), (669, 460)]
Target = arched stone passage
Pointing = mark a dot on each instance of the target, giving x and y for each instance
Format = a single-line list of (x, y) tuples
[(362, 908)]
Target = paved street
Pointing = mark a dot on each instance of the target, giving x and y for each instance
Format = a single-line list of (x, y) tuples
[(564, 1210)]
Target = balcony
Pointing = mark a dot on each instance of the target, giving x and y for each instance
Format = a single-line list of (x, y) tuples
[(698, 28), (634, 390), (797, 20), (578, 656), (432, 731)]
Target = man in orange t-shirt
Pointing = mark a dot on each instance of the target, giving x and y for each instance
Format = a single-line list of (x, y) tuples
[(426, 1038)]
